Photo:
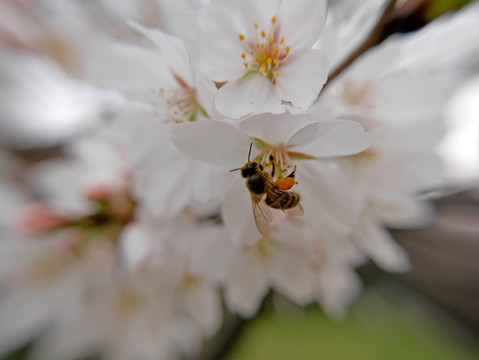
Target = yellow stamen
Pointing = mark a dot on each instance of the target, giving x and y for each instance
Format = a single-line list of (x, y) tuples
[(263, 33), (273, 19), (243, 55), (276, 73), (276, 61), (255, 25), (241, 36), (282, 40), (276, 50), (287, 49), (245, 64), (271, 41), (262, 70), (269, 60)]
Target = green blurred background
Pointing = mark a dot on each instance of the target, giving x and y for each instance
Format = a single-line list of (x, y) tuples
[(379, 327)]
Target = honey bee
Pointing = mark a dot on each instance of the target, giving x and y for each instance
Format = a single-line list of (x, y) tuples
[(277, 197)]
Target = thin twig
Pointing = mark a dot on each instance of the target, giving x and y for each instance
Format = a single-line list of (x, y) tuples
[(374, 38), (226, 340), (229, 339)]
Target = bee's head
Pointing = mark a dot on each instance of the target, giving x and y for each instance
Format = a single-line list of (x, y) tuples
[(251, 168)]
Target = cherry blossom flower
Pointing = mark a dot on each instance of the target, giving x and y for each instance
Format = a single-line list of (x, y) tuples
[(158, 306), (281, 145), (166, 91), (92, 164), (46, 281), (131, 253), (348, 23), (260, 50), (42, 105), (399, 101), (142, 292), (293, 260)]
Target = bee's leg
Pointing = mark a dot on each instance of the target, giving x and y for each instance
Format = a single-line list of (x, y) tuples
[(292, 173), (271, 158)]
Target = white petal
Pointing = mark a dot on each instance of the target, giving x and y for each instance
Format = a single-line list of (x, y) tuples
[(247, 285), (249, 95), (338, 286), (302, 77), (329, 206), (204, 307), (171, 48), (304, 135), (302, 21), (165, 195), (130, 69), (339, 138), (212, 141), (381, 247), (213, 44), (348, 24), (205, 91), (237, 213), (248, 12), (292, 275), (24, 313), (275, 129)]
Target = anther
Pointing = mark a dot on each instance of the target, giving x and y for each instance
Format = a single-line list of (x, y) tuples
[(241, 36), (263, 33)]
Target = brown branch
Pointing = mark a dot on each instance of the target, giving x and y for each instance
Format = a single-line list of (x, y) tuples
[(229, 339), (375, 37)]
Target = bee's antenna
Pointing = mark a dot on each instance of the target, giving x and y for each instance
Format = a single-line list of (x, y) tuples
[(235, 169), (249, 153)]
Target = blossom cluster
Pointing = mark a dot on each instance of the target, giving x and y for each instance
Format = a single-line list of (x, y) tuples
[(213, 165)]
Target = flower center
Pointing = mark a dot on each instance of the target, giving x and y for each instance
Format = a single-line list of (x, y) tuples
[(277, 166), (265, 50), (180, 104)]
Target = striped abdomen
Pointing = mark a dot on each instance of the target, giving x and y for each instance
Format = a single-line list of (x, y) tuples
[(282, 200)]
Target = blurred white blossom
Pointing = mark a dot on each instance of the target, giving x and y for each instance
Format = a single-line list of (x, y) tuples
[(142, 229)]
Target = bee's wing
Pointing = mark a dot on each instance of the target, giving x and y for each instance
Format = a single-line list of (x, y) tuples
[(262, 214), (295, 208)]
